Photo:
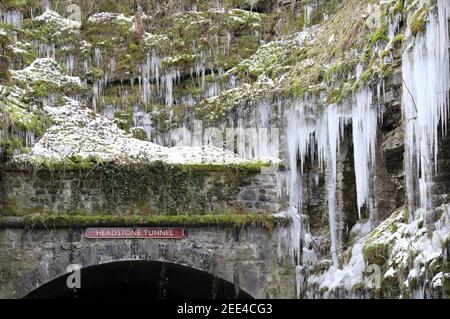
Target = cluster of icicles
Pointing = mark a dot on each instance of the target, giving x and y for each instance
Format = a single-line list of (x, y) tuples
[(426, 87), (317, 137), (13, 18), (425, 104)]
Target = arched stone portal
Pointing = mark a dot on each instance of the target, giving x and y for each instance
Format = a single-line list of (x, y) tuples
[(136, 279), (247, 258)]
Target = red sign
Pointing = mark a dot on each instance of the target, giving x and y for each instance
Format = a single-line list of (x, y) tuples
[(141, 232)]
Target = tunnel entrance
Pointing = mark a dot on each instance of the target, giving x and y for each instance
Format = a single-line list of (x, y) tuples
[(140, 280)]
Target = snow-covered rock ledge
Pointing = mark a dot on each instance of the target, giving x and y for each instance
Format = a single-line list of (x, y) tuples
[(80, 133)]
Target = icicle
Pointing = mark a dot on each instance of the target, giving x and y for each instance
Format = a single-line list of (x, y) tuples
[(46, 5), (308, 10), (364, 127), (47, 50), (169, 78), (228, 40), (332, 119), (241, 138), (30, 139), (298, 136), (143, 120), (188, 100), (97, 90), (97, 57), (155, 66), (146, 94), (112, 66), (318, 136), (200, 70), (13, 18), (231, 82), (426, 79), (262, 126), (149, 72), (394, 26), (109, 111), (70, 64)]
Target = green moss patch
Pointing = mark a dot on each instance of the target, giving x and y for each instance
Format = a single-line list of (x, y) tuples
[(46, 220)]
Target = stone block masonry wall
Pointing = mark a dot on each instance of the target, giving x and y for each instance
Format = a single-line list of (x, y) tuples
[(246, 257), (153, 189)]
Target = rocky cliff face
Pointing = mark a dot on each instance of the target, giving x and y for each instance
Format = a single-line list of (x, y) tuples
[(351, 96)]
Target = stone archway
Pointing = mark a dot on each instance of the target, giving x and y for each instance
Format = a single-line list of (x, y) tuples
[(246, 257), (136, 279)]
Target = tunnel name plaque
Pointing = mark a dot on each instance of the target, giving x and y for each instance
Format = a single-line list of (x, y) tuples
[(139, 233)]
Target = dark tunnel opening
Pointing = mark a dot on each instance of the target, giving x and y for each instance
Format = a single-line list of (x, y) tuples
[(140, 280)]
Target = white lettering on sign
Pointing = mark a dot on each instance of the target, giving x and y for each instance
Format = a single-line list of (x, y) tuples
[(142, 232)]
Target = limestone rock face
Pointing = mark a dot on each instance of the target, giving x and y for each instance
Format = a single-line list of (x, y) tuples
[(4, 63), (4, 69), (393, 145)]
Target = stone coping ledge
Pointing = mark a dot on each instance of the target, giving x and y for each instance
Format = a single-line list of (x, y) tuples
[(92, 164), (49, 221)]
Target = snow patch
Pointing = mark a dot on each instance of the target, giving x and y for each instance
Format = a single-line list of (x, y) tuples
[(79, 132)]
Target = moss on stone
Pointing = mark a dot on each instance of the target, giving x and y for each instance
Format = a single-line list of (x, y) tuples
[(171, 188), (20, 4), (419, 19), (96, 73), (380, 34), (391, 287), (49, 220), (11, 144), (324, 63), (376, 248), (21, 117), (124, 119), (5, 76), (138, 133)]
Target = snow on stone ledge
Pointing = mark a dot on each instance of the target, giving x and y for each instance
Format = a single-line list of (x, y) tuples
[(47, 70), (105, 17), (53, 17), (79, 132)]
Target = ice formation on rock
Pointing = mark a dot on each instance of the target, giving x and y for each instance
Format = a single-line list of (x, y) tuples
[(426, 79), (13, 18), (364, 126), (405, 235), (316, 137)]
